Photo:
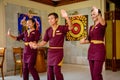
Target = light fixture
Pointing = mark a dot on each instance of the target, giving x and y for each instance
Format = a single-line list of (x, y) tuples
[(55, 0)]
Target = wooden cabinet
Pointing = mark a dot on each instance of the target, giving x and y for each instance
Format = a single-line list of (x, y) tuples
[(112, 40)]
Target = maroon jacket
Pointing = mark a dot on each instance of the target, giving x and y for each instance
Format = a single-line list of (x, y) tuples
[(28, 53), (97, 51), (55, 56)]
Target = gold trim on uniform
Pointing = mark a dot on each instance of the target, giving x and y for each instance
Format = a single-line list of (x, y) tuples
[(61, 62), (56, 47), (97, 41)]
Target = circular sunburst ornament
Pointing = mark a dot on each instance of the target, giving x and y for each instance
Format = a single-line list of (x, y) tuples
[(79, 28)]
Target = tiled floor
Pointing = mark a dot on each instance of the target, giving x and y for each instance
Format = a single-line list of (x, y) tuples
[(73, 72)]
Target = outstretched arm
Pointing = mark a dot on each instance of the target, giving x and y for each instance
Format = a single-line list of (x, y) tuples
[(42, 43), (84, 41), (37, 45), (101, 20), (10, 35), (65, 15)]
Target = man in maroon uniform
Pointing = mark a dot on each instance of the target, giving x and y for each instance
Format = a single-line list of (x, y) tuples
[(55, 35), (96, 52), (29, 55)]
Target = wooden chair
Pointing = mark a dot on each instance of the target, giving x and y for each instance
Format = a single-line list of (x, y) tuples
[(17, 54), (2, 55)]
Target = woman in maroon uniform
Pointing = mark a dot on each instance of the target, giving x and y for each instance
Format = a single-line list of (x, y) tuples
[(29, 55), (55, 35), (96, 52)]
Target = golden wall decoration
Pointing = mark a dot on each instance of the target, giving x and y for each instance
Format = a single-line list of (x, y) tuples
[(80, 29)]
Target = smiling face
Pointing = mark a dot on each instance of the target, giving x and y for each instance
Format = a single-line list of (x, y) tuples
[(30, 24), (94, 16), (52, 20)]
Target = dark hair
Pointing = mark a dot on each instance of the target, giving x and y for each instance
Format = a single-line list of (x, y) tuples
[(91, 10), (54, 14), (99, 11), (31, 19)]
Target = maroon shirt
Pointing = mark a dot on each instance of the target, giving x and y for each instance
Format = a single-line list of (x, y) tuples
[(28, 53), (97, 51), (55, 55)]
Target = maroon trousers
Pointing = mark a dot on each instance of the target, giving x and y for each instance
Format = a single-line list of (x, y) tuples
[(29, 67), (96, 69), (54, 72)]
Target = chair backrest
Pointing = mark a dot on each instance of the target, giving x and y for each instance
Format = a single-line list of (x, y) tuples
[(2, 54), (17, 53)]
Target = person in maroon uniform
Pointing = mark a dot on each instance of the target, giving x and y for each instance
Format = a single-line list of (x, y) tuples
[(29, 54), (55, 35), (96, 52)]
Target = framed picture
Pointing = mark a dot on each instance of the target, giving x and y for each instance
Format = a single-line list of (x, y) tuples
[(80, 28), (22, 18)]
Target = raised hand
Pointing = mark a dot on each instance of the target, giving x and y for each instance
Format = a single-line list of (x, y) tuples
[(64, 13), (8, 33)]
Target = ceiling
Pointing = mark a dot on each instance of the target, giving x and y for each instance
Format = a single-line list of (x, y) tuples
[(65, 2), (57, 3)]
